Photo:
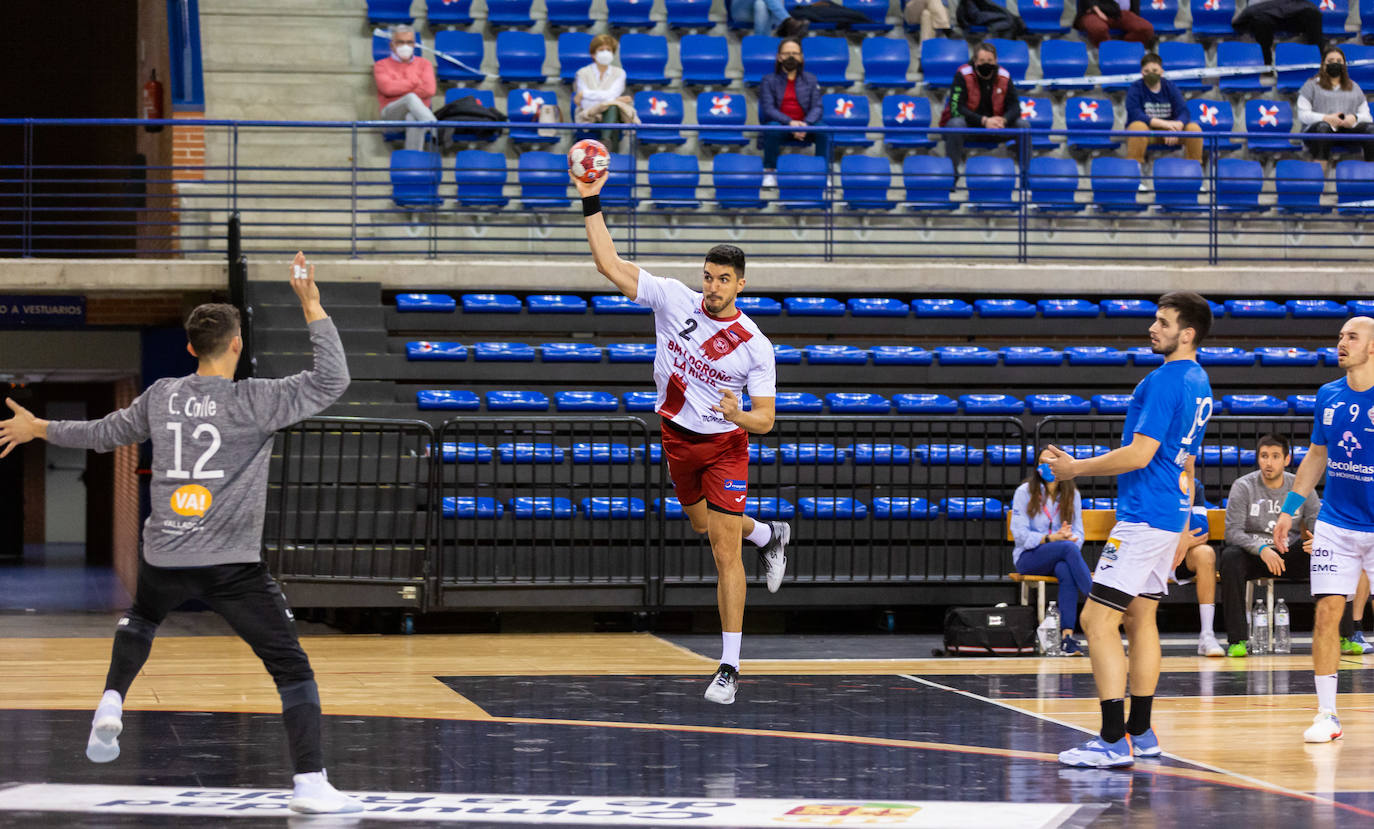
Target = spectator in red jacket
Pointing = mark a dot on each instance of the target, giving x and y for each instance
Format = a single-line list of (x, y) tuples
[(405, 85)]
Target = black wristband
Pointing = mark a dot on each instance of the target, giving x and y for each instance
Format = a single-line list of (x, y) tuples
[(591, 205)]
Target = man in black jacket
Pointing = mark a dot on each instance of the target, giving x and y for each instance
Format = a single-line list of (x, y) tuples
[(982, 95)]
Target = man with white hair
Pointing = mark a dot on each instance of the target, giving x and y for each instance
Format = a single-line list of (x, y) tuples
[(405, 85)]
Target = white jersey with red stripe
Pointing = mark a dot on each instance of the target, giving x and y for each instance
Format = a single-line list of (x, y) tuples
[(698, 355)]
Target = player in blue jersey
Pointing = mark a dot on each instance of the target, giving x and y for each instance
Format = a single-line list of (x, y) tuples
[(1154, 468), (1343, 538)]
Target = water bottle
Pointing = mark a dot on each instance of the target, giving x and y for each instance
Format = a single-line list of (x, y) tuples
[(1282, 642), (1053, 640), (1259, 628)]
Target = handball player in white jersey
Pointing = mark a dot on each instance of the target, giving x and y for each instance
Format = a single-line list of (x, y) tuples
[(709, 352)]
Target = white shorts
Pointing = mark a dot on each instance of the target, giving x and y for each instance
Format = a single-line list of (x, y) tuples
[(1338, 556), (1136, 561)]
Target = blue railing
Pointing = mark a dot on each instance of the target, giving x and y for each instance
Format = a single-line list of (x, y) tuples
[(337, 204)]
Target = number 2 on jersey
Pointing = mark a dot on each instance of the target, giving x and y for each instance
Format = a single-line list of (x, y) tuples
[(198, 472)]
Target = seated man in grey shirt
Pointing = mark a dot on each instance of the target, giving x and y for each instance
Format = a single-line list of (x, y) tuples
[(212, 440), (1255, 502)]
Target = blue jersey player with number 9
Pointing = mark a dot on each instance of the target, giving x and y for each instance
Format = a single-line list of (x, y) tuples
[(1154, 467)]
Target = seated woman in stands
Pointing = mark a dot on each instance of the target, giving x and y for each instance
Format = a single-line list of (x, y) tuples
[(1047, 528)]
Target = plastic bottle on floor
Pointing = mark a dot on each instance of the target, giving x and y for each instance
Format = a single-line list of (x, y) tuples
[(1053, 635), (1259, 628), (1283, 641)]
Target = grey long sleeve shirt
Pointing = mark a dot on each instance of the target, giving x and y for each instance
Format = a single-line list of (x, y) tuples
[(1253, 508)]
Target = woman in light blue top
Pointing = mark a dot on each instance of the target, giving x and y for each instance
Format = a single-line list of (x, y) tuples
[(1047, 528)]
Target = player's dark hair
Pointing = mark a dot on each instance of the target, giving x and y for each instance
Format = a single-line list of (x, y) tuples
[(210, 328), (1272, 439), (727, 255), (1193, 312), (1064, 495)]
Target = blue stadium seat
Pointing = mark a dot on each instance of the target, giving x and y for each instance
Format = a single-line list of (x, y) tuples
[(844, 110), (426, 350), (942, 308), (504, 352), (1269, 123), (797, 402), (1038, 114), (852, 402), (1299, 452), (1213, 455), (865, 181), (901, 355), (617, 304), (1119, 57), (1366, 23), (971, 508), (1115, 183), (659, 107), (1042, 17), (1277, 355), (1178, 181), (1178, 55), (570, 353), (836, 355), (543, 180), (465, 47), (441, 400), (628, 14), (1099, 503), (880, 454), (1224, 355), (1109, 404), (555, 304), (1095, 355), (1334, 14), (517, 401), (1003, 308), (631, 352), (1083, 451), (889, 507), (948, 454), (644, 58), (523, 105), (689, 14), (601, 454), (639, 401), (1009, 454), (759, 306), (1214, 116), (876, 12), (1298, 185), (486, 98), (925, 404), (736, 180), (1031, 355), (1362, 75), (573, 52), (758, 56), (908, 115), (966, 355), (783, 355), (814, 306), (513, 13), (1064, 59), (703, 59), (415, 178), (619, 190), (1292, 54), (468, 506), (1129, 308), (1254, 404), (1358, 307), (573, 13), (491, 304), (886, 61), (389, 11), (586, 401), (1303, 404), (1329, 356), (877, 307), (1255, 308), (673, 180), (990, 181), (1232, 54), (1212, 18), (465, 452), (801, 182), (1355, 187), (670, 507), (827, 58), (940, 59), (541, 506), (1013, 56), (812, 453), (520, 57), (1048, 404), (832, 507), (425, 303), (991, 404), (1317, 309), (1163, 15), (1068, 307), (1053, 183), (928, 181), (1143, 355), (480, 177), (1088, 120)]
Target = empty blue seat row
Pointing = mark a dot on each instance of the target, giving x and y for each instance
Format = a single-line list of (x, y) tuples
[(525, 453), (601, 507)]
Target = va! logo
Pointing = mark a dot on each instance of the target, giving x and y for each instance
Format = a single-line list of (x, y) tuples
[(192, 499)]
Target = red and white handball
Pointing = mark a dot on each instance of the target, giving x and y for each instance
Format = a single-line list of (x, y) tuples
[(588, 160)]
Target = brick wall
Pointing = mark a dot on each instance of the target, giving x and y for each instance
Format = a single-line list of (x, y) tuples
[(150, 308), (124, 518), (188, 148)]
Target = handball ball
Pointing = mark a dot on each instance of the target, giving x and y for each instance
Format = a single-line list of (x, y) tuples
[(588, 160)]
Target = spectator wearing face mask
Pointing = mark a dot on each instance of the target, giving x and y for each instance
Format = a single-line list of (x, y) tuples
[(599, 91), (1154, 103), (405, 85), (790, 96), (982, 95), (1047, 529), (1332, 103)]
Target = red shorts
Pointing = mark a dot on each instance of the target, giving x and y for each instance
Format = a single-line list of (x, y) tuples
[(714, 467)]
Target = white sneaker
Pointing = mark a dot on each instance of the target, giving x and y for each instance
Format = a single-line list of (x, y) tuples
[(723, 684), (1207, 645), (770, 180), (106, 726), (1324, 728), (771, 554), (314, 795)]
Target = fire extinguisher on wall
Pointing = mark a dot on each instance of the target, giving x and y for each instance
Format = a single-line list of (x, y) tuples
[(152, 102)]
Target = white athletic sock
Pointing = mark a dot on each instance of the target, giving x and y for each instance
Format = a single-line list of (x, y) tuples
[(111, 704), (760, 535), (1207, 612), (1326, 691), (729, 649)]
